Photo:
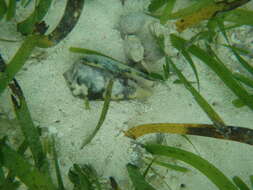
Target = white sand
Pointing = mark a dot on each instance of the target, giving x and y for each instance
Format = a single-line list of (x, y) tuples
[(53, 106)]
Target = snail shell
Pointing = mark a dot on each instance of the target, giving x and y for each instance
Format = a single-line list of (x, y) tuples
[(90, 76)]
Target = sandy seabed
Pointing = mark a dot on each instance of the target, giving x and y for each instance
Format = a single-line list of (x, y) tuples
[(55, 109)]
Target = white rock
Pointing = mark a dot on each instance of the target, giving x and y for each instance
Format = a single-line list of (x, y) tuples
[(132, 23), (133, 48)]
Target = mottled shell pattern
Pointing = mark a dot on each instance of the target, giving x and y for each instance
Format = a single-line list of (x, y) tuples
[(90, 76)]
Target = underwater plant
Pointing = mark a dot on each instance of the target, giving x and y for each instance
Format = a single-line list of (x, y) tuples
[(36, 38)]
